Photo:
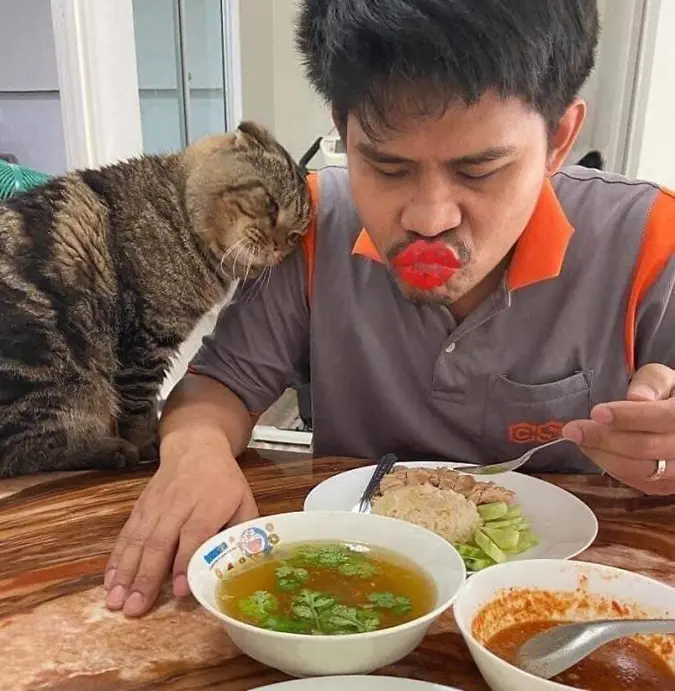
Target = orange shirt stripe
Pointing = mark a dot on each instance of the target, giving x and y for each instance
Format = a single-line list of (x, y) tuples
[(658, 246), (540, 251), (309, 240)]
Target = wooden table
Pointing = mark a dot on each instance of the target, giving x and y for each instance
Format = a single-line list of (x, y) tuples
[(56, 532)]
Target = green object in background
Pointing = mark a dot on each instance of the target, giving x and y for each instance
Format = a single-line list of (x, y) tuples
[(15, 179)]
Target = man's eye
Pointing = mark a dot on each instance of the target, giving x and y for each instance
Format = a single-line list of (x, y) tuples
[(477, 176), (391, 173)]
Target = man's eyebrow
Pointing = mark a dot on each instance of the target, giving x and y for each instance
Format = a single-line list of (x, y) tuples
[(374, 154), (494, 153)]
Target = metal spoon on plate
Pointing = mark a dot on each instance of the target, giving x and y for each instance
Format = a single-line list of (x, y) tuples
[(556, 650)]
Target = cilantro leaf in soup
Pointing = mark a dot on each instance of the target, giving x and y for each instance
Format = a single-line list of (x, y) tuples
[(340, 557), (341, 619), (286, 624), (322, 555), (303, 611), (357, 567), (259, 605), (290, 578), (314, 600), (309, 605), (399, 605)]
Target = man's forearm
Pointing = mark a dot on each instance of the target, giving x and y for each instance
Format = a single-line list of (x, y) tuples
[(198, 402)]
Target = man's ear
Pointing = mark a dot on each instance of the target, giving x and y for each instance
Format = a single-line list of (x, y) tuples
[(340, 125), (564, 136)]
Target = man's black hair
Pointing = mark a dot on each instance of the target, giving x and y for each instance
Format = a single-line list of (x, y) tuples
[(374, 58)]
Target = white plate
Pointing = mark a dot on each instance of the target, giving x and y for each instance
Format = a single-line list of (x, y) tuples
[(564, 525), (357, 683)]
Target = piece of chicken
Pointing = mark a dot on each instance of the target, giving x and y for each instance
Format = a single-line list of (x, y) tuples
[(489, 493), (446, 478)]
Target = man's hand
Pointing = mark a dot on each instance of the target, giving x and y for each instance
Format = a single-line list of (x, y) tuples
[(197, 490), (627, 438)]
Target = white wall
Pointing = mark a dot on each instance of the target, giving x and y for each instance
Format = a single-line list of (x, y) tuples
[(610, 88), (256, 23), (30, 112), (655, 158), (300, 116), (275, 90)]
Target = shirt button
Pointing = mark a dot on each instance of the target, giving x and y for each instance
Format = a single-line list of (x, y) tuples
[(451, 348)]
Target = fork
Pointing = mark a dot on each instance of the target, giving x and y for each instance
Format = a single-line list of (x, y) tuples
[(387, 462), (384, 465), (506, 466)]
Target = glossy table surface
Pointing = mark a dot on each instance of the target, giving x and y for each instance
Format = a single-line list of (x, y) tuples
[(56, 531)]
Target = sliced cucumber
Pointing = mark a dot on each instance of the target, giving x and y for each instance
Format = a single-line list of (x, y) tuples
[(505, 538), (514, 512), (527, 541), (470, 552), (506, 523), (489, 547), (478, 564), (494, 511)]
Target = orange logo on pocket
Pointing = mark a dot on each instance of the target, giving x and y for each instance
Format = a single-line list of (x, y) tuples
[(530, 433)]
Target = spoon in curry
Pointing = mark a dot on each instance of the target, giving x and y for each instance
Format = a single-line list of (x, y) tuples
[(556, 650)]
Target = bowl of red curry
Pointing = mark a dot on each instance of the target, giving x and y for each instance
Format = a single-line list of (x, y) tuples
[(502, 607)]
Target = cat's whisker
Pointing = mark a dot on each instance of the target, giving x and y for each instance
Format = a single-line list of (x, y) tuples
[(259, 283), (229, 251), (240, 251), (237, 247), (251, 258)]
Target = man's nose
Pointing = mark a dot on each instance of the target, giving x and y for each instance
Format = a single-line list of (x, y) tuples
[(433, 210)]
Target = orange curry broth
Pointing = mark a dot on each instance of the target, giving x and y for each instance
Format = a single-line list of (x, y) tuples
[(517, 614), (620, 665)]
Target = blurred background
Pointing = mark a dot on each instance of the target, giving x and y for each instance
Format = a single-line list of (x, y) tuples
[(87, 82)]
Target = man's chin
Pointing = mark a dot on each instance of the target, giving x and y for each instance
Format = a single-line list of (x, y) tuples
[(441, 295)]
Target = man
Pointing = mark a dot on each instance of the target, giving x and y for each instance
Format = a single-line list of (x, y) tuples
[(457, 296)]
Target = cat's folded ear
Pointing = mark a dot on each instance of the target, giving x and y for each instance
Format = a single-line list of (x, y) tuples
[(254, 134)]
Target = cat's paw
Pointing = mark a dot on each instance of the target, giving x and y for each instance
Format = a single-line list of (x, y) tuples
[(118, 454), (150, 451)]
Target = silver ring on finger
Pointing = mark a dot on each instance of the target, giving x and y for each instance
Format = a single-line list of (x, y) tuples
[(660, 471)]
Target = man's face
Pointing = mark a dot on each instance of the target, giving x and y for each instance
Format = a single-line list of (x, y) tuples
[(468, 179)]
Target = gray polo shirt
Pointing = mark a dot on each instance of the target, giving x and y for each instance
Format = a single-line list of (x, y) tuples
[(588, 297)]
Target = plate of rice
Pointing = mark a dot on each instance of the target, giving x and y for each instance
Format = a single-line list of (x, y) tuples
[(513, 516)]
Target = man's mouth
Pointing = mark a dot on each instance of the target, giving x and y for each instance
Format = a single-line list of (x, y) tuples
[(426, 265)]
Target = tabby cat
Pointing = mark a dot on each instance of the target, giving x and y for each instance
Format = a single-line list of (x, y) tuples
[(104, 273)]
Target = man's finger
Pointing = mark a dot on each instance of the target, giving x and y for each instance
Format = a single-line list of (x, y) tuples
[(651, 383), (157, 555), (197, 529), (642, 446), (129, 528), (246, 511), (634, 473), (127, 566), (632, 416)]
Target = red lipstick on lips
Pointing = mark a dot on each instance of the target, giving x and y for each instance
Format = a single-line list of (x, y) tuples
[(426, 265)]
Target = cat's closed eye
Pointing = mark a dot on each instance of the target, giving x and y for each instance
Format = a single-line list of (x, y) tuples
[(272, 211)]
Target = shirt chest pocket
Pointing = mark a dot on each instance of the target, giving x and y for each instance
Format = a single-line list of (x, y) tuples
[(520, 416)]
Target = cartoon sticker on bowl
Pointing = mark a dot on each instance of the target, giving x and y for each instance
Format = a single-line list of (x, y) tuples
[(254, 541)]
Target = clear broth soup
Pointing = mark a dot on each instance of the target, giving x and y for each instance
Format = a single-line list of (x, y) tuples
[(327, 588)]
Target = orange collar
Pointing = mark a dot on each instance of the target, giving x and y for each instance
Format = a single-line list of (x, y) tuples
[(539, 252)]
